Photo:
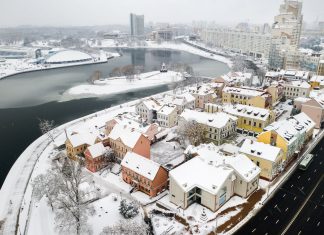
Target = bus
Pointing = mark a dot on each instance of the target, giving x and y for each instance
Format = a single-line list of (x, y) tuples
[(303, 165)]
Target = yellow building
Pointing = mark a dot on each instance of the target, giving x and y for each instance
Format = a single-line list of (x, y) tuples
[(252, 97), (276, 90), (290, 135), (77, 143), (265, 156), (317, 82), (251, 120)]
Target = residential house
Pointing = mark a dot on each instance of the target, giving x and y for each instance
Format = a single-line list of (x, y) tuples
[(251, 120), (235, 79), (265, 156), (95, 157), (147, 109), (246, 96), (203, 94), (123, 140), (144, 174), (76, 143), (276, 90), (183, 101), (213, 108), (167, 116), (296, 89), (218, 126), (314, 108), (290, 135), (211, 178)]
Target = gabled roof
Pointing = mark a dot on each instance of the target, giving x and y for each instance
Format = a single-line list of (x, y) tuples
[(97, 150), (217, 120), (128, 136), (77, 139), (247, 111), (167, 109), (141, 165), (261, 150)]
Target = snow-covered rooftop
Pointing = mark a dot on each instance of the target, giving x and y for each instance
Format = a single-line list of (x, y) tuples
[(243, 91), (128, 136), (261, 150), (68, 56), (97, 150), (78, 139), (318, 78), (140, 165), (167, 109), (247, 111), (301, 84), (151, 104), (217, 120)]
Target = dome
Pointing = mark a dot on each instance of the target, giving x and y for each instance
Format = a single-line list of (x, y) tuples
[(68, 56)]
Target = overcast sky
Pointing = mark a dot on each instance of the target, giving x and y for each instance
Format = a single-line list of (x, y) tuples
[(103, 12)]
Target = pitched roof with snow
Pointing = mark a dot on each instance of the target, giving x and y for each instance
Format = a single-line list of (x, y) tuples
[(261, 150), (243, 91), (151, 104), (141, 165), (189, 98), (128, 136), (217, 120), (97, 150), (301, 84), (247, 111), (167, 109), (77, 139)]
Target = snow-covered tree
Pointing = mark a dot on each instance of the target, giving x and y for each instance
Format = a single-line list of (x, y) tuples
[(125, 227), (193, 132), (128, 209), (46, 127), (64, 186)]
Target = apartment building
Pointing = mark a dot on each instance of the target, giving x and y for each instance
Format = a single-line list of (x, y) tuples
[(296, 89), (218, 126), (167, 116)]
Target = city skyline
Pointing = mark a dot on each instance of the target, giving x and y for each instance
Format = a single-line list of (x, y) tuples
[(97, 12)]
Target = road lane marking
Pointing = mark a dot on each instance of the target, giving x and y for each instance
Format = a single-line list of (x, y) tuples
[(286, 209), (302, 207), (308, 219), (265, 217), (315, 170), (253, 230), (299, 232), (298, 176), (277, 221), (318, 223), (291, 186), (283, 195), (295, 198), (309, 179)]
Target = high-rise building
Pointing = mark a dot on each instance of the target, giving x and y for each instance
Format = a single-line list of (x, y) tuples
[(285, 38), (137, 25)]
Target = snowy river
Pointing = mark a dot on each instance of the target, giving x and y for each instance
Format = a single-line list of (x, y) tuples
[(27, 97)]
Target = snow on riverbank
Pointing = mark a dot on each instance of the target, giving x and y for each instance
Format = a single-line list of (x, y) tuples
[(166, 46), (121, 84)]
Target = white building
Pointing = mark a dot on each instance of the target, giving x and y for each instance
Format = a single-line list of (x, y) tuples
[(182, 101), (137, 25), (250, 43), (147, 109), (203, 94), (167, 116), (296, 89), (211, 178), (218, 125)]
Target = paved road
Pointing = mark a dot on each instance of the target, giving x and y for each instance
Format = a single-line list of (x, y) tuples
[(303, 188)]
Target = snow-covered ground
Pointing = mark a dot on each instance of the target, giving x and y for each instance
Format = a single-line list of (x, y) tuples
[(164, 45), (121, 84)]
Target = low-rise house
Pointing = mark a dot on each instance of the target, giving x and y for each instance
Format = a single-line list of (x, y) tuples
[(317, 81), (167, 116), (213, 108), (265, 156), (252, 97), (182, 101), (96, 157), (314, 108), (276, 90), (203, 94), (144, 174), (149, 130), (218, 126), (299, 101), (290, 75), (296, 89), (76, 144), (123, 140), (251, 120), (235, 79), (147, 109), (290, 134), (211, 178)]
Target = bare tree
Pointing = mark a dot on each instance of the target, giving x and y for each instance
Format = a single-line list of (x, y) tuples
[(126, 227), (71, 202), (46, 127), (193, 132)]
